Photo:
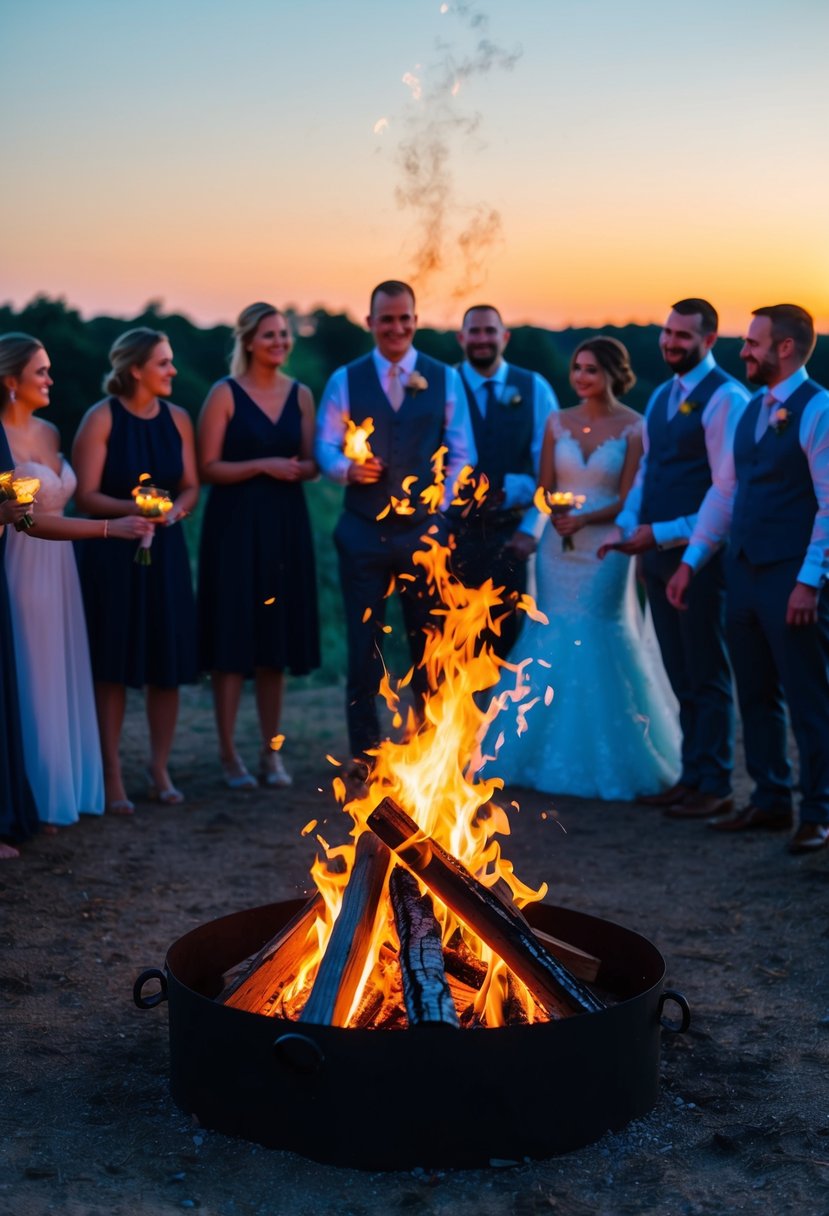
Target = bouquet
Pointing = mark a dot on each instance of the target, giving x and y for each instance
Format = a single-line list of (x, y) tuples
[(559, 502), (19, 489), (152, 503)]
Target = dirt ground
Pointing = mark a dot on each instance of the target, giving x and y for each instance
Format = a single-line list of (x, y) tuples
[(89, 1128)]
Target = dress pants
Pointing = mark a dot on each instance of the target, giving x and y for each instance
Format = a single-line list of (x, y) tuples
[(775, 665), (693, 649), (370, 554)]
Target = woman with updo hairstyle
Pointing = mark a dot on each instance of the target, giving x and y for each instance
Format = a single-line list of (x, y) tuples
[(141, 617), (611, 728), (257, 578), (57, 710)]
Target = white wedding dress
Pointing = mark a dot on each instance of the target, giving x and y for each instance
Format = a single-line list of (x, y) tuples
[(604, 723), (61, 748)]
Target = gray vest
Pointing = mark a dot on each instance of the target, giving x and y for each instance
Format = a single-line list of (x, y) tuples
[(775, 504), (404, 440), (677, 473)]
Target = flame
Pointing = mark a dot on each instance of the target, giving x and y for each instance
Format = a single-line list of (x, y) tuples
[(356, 446), (25, 488), (557, 502), (150, 500), (433, 771)]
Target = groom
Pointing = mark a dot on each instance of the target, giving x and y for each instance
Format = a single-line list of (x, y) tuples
[(687, 422), (417, 406), (771, 498), (509, 408)]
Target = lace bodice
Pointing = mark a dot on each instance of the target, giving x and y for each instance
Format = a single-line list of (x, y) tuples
[(55, 488), (597, 475)]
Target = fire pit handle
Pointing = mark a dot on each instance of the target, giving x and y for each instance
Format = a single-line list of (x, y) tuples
[(670, 994), (299, 1052), (155, 998)]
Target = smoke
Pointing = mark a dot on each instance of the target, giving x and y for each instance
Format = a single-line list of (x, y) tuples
[(454, 235)]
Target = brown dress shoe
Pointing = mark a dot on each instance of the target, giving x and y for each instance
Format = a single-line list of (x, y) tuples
[(809, 837), (748, 818), (697, 805), (666, 797)]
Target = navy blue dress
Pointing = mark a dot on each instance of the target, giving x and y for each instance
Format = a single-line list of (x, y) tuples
[(18, 815), (257, 577), (141, 619)]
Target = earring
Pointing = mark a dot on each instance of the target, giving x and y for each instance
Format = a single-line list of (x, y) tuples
[(12, 396)]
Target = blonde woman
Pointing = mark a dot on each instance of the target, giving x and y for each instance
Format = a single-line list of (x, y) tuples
[(141, 618), (257, 580)]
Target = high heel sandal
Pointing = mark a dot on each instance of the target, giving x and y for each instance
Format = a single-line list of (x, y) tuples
[(169, 797), (237, 777), (272, 771), (120, 806)]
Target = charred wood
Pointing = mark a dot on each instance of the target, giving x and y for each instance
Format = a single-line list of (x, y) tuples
[(258, 984), (425, 990), (342, 965), (502, 927)]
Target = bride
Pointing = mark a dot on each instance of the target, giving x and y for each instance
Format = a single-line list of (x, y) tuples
[(588, 708)]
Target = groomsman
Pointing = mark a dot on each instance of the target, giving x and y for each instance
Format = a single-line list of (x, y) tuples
[(509, 408), (687, 423), (772, 492), (417, 405)]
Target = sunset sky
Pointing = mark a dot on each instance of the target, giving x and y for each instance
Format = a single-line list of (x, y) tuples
[(578, 162)]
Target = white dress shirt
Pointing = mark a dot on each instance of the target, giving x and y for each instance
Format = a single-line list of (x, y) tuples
[(335, 410), (519, 488), (714, 519), (719, 418)]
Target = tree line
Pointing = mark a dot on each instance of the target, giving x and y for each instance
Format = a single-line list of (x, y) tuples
[(78, 350)]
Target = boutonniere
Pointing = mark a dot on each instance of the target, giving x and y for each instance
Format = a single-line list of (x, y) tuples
[(688, 406), (779, 419), (510, 397), (416, 383)]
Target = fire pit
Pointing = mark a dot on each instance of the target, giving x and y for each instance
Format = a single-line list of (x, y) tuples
[(424, 1007), (387, 1099)]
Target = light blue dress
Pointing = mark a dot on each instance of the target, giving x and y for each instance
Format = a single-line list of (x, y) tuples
[(57, 706), (596, 714)]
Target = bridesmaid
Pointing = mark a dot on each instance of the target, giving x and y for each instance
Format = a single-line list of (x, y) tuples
[(60, 740), (18, 816), (141, 619), (257, 580)]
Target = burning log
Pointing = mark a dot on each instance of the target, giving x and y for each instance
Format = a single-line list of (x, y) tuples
[(259, 983), (425, 990), (583, 965), (342, 965), (462, 965), (500, 925)]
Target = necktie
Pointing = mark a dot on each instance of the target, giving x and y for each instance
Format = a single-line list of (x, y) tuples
[(677, 391), (489, 396), (394, 392), (764, 416)]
